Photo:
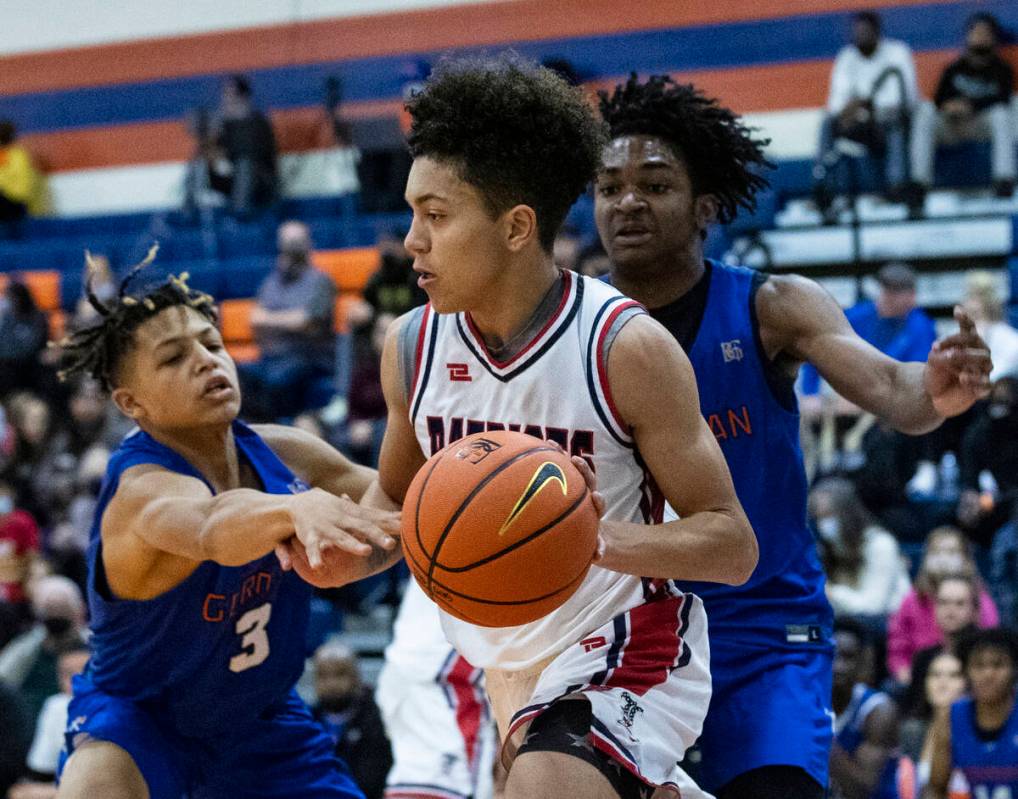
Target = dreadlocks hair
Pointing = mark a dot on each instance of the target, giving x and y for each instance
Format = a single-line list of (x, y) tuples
[(719, 152), (98, 350), (515, 131)]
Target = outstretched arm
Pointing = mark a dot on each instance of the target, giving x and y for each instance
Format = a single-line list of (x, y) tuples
[(801, 322), (654, 389)]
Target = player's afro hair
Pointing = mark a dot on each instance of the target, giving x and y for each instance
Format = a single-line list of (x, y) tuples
[(97, 350), (719, 151), (515, 131)]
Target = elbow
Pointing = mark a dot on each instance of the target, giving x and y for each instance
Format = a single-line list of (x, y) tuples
[(745, 555)]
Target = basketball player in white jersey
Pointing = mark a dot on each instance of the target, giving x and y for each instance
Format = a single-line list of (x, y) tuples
[(603, 695)]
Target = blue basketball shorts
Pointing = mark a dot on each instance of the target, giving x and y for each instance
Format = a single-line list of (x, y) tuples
[(281, 753), (770, 707)]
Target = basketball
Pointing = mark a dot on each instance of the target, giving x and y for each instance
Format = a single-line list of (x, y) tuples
[(499, 528)]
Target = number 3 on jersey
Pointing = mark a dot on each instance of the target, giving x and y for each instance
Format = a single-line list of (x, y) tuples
[(254, 640)]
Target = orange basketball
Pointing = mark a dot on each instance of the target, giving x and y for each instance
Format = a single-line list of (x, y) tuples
[(499, 528)]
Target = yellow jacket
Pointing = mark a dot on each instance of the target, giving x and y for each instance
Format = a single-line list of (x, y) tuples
[(20, 181)]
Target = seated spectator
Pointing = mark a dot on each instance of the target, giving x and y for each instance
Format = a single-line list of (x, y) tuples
[(991, 445), (29, 662), (914, 627), (347, 710), (292, 324), (19, 545), (864, 752), (932, 691), (236, 154), (865, 573), (956, 612), (366, 410), (978, 735), (24, 331), (985, 306), (893, 322), (44, 754), (973, 101), (873, 89), (393, 288), (22, 188)]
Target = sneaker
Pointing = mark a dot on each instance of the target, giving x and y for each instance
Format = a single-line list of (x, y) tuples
[(1003, 188)]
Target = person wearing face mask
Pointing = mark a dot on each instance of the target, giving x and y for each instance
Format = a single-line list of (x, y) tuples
[(865, 573), (991, 445), (972, 102), (914, 626), (293, 327), (867, 104), (347, 710), (29, 662)]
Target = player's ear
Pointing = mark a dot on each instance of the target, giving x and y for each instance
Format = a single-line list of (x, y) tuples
[(521, 227), (705, 209), (127, 403)]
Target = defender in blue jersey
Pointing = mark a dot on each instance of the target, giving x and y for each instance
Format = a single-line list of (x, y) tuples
[(677, 162), (864, 755), (198, 635), (978, 736)]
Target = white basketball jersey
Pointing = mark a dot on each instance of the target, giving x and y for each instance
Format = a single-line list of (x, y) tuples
[(555, 388)]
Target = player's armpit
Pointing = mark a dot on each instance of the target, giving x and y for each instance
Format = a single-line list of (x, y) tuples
[(654, 389), (316, 462)]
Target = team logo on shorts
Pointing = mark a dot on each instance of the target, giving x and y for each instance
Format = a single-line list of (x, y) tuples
[(630, 708), (477, 450), (298, 486)]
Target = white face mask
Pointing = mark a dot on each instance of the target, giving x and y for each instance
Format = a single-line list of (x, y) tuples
[(829, 529), (6, 505)]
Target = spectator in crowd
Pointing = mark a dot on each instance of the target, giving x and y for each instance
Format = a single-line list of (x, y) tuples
[(973, 101), (24, 330), (292, 324), (873, 89), (97, 269), (932, 691), (236, 153), (15, 737), (366, 410), (864, 752), (865, 573), (29, 662), (914, 626), (985, 305), (893, 322), (393, 288), (956, 611), (44, 754), (991, 445), (22, 189), (19, 544), (31, 420), (978, 734), (347, 710)]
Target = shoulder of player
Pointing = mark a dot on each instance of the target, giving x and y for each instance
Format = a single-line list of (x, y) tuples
[(645, 356), (791, 303), (147, 482)]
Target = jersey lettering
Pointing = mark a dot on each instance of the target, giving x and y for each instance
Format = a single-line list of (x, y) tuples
[(730, 423), (254, 640), (576, 442)]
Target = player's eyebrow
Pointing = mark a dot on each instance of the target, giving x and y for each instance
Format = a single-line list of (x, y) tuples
[(184, 337), (423, 198)]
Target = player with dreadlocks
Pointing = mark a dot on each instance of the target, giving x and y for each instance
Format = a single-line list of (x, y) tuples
[(198, 635), (676, 162)]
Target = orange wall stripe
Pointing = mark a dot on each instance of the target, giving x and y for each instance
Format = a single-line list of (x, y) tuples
[(386, 34)]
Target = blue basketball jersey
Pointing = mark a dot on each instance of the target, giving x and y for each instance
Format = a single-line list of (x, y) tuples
[(222, 646), (989, 766), (851, 727), (784, 601)]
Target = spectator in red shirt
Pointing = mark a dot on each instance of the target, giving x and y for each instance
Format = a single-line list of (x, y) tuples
[(19, 545)]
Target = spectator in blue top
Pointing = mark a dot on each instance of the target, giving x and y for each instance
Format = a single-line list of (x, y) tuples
[(892, 323)]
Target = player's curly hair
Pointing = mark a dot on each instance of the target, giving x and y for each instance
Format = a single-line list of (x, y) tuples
[(719, 151), (515, 131), (97, 350)]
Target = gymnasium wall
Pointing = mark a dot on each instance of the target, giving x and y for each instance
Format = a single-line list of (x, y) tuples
[(101, 90)]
